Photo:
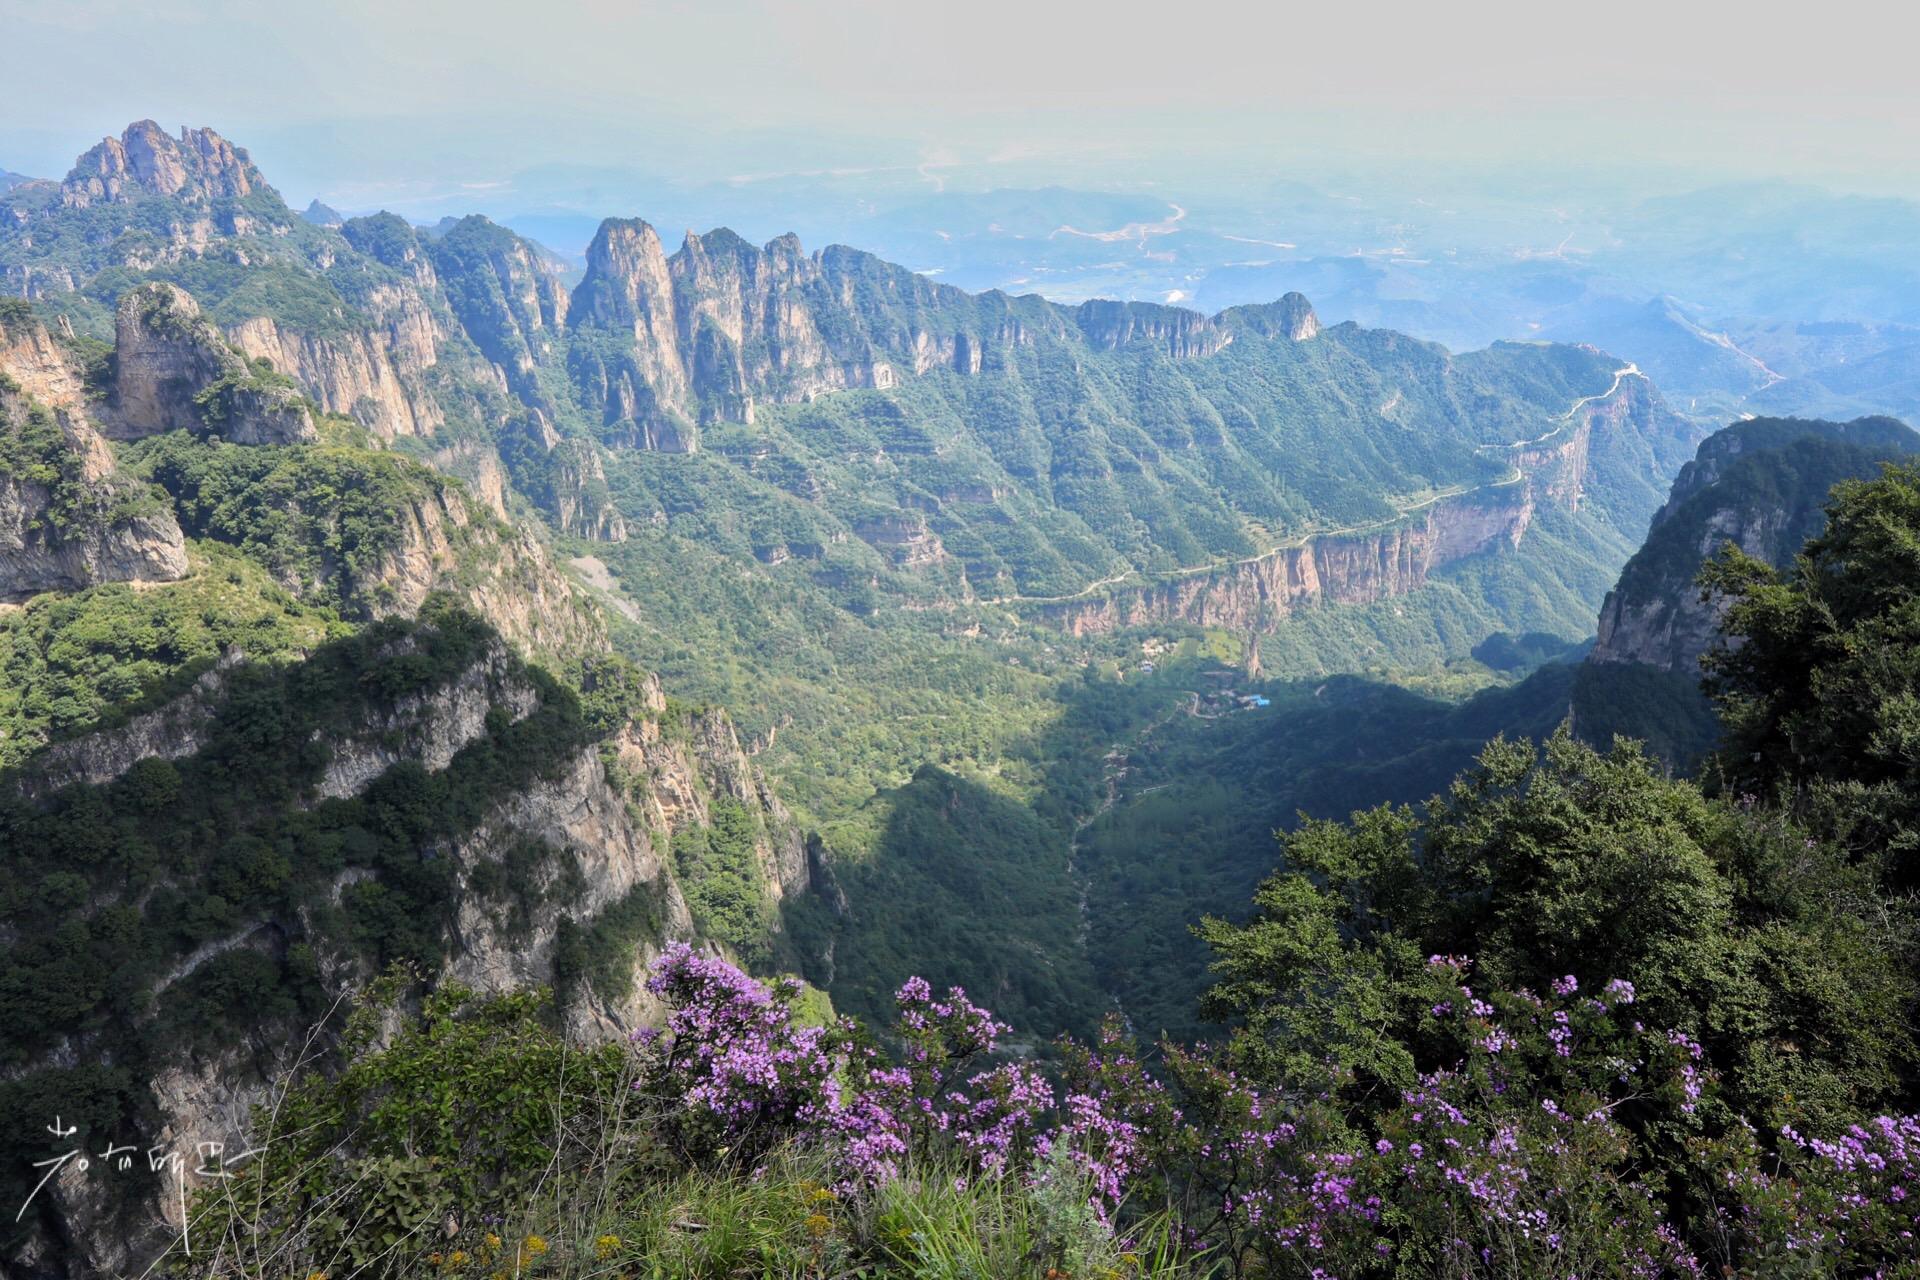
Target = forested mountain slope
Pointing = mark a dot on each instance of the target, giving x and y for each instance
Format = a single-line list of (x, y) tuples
[(1001, 449)]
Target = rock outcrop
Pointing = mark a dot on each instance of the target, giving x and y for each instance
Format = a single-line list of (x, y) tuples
[(1760, 485), (1260, 593), (171, 731), (440, 538), (577, 496), (1291, 318), (376, 376), (173, 370), (67, 520), (427, 729), (507, 298), (1182, 334), (198, 167), (68, 538), (686, 762), (903, 537)]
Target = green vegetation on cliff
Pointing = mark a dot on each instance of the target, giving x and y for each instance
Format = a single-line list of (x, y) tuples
[(320, 519)]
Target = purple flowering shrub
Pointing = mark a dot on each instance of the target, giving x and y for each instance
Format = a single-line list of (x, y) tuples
[(1548, 1146), (1517, 1153), (1849, 1206), (734, 1076)]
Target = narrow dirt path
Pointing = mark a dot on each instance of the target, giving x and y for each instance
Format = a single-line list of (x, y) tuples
[(1117, 765)]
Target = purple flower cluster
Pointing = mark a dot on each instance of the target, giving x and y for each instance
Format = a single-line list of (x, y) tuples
[(735, 1075), (1517, 1153), (742, 1073)]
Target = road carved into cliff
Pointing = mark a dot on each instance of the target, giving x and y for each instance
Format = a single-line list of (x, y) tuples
[(1371, 526)]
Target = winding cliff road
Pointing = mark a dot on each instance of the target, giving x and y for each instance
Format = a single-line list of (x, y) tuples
[(1620, 375)]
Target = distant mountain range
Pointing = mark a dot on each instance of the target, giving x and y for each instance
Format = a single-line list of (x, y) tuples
[(1024, 449)]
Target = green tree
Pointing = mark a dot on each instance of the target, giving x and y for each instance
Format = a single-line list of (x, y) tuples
[(1567, 861), (1821, 699)]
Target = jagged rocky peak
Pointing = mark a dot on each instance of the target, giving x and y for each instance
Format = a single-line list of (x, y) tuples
[(720, 325), (1291, 318), (197, 167), (385, 237), (626, 282), (506, 295), (173, 370), (721, 253)]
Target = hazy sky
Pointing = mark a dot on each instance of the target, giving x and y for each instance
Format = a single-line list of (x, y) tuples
[(414, 99)]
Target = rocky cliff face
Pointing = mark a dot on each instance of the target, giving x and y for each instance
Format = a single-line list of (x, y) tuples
[(105, 533), (688, 761), (904, 538), (576, 491), (1672, 626), (1183, 335), (67, 520), (443, 539), (508, 576), (141, 200), (1260, 593), (507, 299), (169, 732), (174, 371), (1761, 485), (704, 334), (375, 376), (1291, 318)]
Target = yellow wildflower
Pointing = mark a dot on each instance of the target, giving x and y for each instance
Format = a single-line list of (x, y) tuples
[(818, 1224), (458, 1258), (606, 1246), (534, 1246), (820, 1195), (491, 1240)]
